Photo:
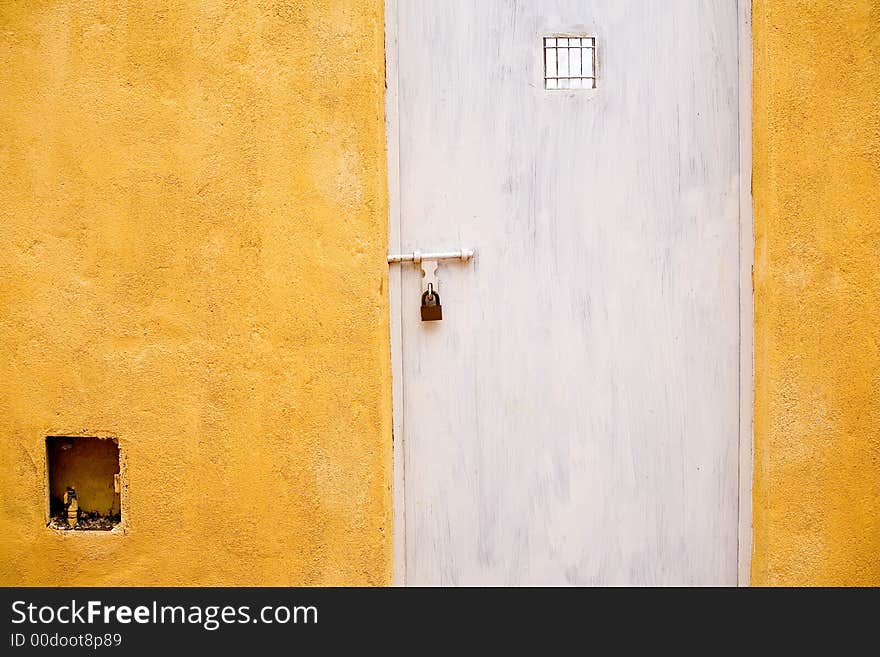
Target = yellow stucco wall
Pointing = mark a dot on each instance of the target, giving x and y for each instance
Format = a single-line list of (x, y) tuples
[(193, 230), (816, 191)]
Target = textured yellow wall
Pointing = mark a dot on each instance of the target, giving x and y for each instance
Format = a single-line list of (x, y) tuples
[(817, 284), (193, 230)]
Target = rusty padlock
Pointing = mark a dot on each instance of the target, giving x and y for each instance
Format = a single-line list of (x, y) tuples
[(431, 308)]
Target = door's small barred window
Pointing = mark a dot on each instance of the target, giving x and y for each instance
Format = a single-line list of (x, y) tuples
[(569, 62)]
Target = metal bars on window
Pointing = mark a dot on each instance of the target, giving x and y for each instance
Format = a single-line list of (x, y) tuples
[(569, 62)]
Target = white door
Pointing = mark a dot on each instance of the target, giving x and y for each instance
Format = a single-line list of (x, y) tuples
[(573, 419)]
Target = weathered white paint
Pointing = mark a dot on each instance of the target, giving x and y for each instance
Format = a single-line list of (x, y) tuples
[(575, 416)]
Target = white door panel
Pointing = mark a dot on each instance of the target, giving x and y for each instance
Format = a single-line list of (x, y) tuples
[(574, 417)]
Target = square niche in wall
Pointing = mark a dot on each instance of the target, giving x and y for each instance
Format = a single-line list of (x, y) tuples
[(83, 483)]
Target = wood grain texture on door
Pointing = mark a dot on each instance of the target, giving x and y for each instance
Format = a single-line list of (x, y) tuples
[(574, 417)]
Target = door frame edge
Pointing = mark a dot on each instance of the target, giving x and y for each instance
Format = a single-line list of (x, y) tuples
[(395, 280), (746, 298)]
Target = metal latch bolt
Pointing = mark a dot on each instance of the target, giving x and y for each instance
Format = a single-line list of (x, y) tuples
[(430, 306)]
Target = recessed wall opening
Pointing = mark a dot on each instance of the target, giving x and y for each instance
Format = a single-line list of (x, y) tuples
[(84, 483)]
